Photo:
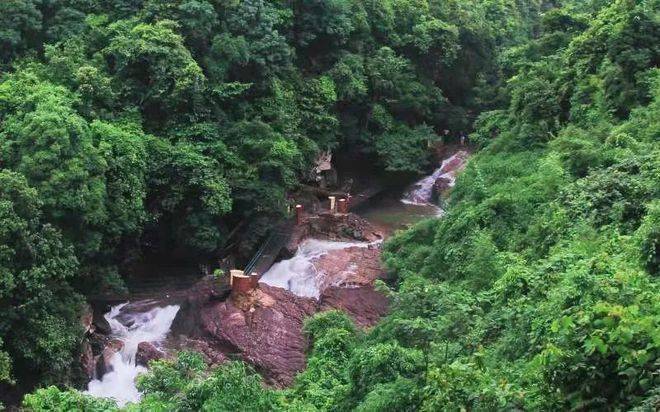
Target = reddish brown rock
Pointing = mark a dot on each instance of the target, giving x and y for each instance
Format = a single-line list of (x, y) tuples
[(209, 289), (346, 227), (350, 267), (147, 352), (86, 319), (441, 185), (327, 226), (100, 323), (365, 305), (456, 163), (87, 359), (212, 355), (104, 362), (263, 327), (265, 332)]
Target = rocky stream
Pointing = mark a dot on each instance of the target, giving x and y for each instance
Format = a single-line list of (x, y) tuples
[(330, 262)]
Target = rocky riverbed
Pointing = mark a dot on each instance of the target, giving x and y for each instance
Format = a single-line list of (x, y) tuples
[(264, 326), (331, 262)]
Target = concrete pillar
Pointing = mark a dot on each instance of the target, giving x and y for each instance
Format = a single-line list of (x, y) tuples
[(332, 204), (299, 214), (232, 273), (342, 206), (254, 277)]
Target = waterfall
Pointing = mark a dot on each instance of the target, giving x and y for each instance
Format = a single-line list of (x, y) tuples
[(299, 274), (422, 191), (131, 329)]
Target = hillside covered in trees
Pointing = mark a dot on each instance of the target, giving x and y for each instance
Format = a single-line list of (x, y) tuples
[(134, 126)]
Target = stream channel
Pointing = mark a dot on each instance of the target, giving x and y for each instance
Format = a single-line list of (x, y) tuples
[(389, 211)]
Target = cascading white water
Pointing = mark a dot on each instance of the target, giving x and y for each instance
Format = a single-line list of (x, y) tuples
[(299, 274), (151, 326), (422, 190)]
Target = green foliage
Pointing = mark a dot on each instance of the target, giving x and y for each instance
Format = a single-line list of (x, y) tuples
[(403, 149), (19, 24), (325, 381), (380, 363), (39, 310), (184, 384), (5, 367), (47, 141), (56, 400), (547, 255), (161, 125), (156, 70)]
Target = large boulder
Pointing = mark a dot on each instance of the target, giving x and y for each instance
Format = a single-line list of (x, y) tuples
[(209, 289), (147, 352), (349, 267), (212, 353), (87, 360), (331, 226), (87, 319), (100, 323), (365, 305), (264, 329), (441, 186), (104, 361), (338, 226)]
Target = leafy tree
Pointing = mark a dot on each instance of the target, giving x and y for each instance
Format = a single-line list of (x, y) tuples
[(156, 70), (54, 399), (188, 191), (39, 309), (47, 141), (20, 27), (184, 384), (403, 149), (321, 28)]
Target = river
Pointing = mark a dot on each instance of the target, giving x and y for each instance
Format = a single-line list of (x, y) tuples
[(131, 324), (131, 328)]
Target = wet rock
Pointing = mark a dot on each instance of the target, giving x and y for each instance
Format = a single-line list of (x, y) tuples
[(98, 342), (349, 267), (212, 354), (99, 321), (441, 185), (456, 163), (102, 326), (263, 327), (87, 319), (147, 352), (104, 362), (87, 360), (328, 226), (365, 305), (207, 290), (264, 330), (347, 227)]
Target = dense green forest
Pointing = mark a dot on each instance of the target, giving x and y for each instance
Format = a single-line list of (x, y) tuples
[(130, 125)]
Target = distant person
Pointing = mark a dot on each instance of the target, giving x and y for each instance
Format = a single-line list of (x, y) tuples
[(463, 139)]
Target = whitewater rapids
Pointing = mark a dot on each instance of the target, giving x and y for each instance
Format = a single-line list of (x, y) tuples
[(300, 275), (151, 326), (422, 191)]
